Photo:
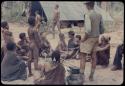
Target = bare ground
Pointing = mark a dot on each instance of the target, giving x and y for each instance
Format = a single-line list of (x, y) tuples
[(103, 76)]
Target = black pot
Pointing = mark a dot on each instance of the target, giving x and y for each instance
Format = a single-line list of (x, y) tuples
[(74, 70), (75, 79)]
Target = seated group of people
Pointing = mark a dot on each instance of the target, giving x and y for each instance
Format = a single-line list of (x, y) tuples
[(14, 57), (72, 49), (15, 60)]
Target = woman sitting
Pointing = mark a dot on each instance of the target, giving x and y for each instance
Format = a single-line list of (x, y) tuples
[(103, 55), (13, 67)]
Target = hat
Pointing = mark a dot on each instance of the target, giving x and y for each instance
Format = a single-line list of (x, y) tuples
[(74, 70)]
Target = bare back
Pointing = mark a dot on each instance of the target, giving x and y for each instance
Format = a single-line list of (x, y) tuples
[(56, 15)]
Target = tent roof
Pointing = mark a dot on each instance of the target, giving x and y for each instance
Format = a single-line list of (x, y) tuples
[(68, 10), (71, 10)]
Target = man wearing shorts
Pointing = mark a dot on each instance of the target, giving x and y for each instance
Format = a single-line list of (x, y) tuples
[(93, 28)]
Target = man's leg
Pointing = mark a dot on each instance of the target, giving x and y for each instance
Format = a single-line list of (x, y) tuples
[(58, 26), (53, 29), (29, 68), (36, 56), (93, 65), (29, 64), (118, 58), (82, 62)]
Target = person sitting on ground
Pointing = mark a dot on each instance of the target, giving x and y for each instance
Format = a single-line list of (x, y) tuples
[(23, 45), (118, 57), (52, 73), (7, 37), (23, 49), (46, 46), (71, 43), (77, 46), (62, 46), (103, 56), (13, 66)]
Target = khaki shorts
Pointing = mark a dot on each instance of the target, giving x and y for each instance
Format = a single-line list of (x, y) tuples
[(88, 45)]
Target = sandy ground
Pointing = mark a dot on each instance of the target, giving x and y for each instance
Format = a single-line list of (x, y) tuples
[(103, 76)]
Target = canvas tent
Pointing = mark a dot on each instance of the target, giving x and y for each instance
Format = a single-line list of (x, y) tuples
[(36, 6), (68, 10), (71, 11)]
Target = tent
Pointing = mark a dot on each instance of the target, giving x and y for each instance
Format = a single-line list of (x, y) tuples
[(36, 6), (70, 12)]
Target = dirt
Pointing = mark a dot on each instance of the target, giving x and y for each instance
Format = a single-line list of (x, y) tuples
[(103, 76)]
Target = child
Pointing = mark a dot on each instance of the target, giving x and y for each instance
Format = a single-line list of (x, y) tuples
[(77, 46), (103, 55), (62, 47), (35, 42), (23, 45), (77, 40), (7, 37), (23, 49), (45, 46), (71, 44)]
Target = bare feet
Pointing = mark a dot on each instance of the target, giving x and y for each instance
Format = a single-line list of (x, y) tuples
[(30, 75), (91, 78)]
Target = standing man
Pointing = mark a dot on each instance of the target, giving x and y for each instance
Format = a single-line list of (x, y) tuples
[(35, 43), (55, 21), (93, 28)]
